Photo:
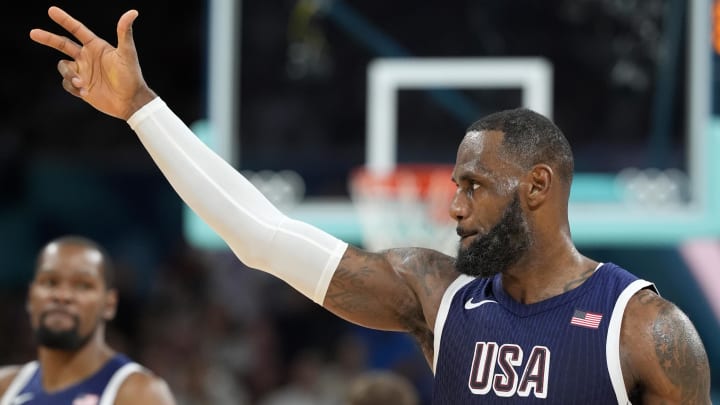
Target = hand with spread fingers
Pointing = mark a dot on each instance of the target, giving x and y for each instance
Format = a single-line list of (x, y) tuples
[(106, 77)]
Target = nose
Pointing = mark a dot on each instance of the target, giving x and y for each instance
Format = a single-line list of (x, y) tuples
[(62, 293), (459, 206)]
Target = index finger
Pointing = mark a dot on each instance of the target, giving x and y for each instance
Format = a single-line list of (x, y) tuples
[(73, 26), (62, 44)]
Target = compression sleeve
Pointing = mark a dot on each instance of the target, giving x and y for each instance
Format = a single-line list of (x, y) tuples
[(259, 234)]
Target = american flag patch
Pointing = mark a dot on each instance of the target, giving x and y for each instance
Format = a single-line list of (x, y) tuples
[(586, 319), (86, 399)]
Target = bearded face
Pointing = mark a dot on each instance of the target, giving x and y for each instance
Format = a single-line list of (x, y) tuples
[(68, 300), (501, 247), (66, 339)]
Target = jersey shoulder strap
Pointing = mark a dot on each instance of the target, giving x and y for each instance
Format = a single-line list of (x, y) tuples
[(119, 377), (443, 311), (19, 382)]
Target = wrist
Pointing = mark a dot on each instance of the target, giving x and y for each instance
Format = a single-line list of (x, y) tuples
[(140, 99)]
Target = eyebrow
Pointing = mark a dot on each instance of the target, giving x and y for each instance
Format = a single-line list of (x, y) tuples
[(469, 174), (76, 271)]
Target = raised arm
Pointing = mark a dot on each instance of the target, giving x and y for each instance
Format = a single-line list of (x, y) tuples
[(396, 290), (663, 358)]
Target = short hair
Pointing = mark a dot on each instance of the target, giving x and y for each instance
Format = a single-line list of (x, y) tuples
[(75, 240), (530, 138), (381, 387)]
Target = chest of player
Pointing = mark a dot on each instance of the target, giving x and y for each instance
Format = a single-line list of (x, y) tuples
[(552, 353), (507, 356)]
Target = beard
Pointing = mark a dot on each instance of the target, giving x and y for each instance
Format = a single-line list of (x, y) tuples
[(67, 340), (500, 248)]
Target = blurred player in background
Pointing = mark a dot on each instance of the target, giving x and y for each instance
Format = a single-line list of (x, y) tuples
[(70, 299), (520, 316)]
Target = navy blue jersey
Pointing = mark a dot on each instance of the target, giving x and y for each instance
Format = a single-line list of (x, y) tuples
[(490, 349), (98, 389)]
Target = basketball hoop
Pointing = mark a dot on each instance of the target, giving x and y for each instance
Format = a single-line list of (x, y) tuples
[(405, 208)]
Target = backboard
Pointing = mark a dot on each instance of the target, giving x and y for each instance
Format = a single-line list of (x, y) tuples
[(634, 205)]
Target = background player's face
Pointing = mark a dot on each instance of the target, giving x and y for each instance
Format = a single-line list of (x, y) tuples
[(68, 299), (491, 223)]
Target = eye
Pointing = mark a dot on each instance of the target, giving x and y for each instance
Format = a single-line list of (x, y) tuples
[(469, 186), (84, 285), (472, 187), (48, 282)]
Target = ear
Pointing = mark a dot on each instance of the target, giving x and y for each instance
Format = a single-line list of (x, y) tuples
[(540, 180), (111, 302)]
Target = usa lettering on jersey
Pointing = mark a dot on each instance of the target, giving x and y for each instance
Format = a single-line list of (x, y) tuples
[(498, 369)]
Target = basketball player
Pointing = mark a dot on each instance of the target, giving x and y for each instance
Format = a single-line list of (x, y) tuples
[(519, 317), (70, 299)]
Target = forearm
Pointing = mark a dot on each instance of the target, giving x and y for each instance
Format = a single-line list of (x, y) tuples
[(257, 232)]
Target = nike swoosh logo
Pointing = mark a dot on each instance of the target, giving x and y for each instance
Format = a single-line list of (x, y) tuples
[(471, 305), (21, 399)]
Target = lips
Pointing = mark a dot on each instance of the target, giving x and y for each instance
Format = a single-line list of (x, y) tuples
[(57, 312), (58, 317), (465, 235)]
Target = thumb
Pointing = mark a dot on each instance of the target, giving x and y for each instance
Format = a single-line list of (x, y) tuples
[(124, 31)]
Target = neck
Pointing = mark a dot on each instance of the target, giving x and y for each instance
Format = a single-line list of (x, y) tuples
[(551, 267), (61, 369)]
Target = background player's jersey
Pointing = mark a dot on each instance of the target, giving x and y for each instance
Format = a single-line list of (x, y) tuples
[(564, 350), (98, 389)]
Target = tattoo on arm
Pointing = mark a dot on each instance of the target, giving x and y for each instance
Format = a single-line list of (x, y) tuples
[(397, 289), (427, 266), (679, 350), (346, 284), (368, 282)]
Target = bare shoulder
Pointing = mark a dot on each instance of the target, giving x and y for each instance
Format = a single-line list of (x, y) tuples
[(663, 358), (7, 375), (144, 388)]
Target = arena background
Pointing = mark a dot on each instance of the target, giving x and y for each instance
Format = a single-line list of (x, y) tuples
[(220, 333)]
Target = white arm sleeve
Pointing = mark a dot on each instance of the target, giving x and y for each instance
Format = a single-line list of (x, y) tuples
[(259, 234)]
